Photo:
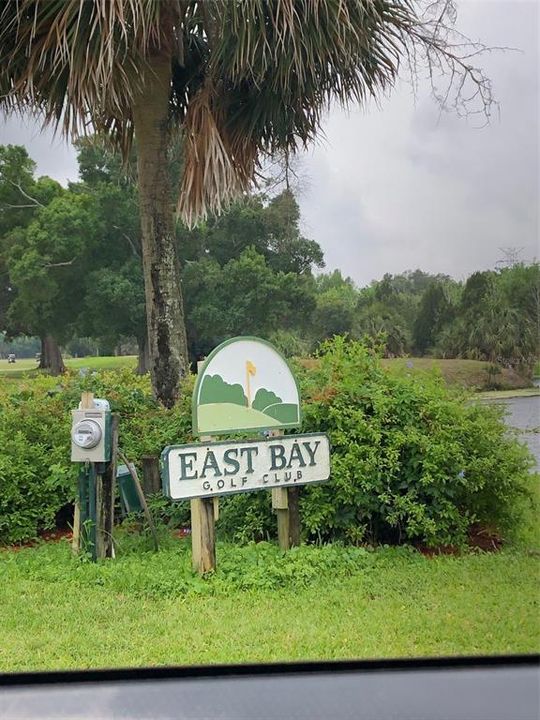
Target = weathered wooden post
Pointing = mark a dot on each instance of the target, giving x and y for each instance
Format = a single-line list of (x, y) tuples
[(203, 535), (285, 506), (105, 497), (295, 528), (151, 480), (280, 505), (204, 514)]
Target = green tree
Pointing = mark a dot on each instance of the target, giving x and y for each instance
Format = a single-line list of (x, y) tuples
[(47, 263), (22, 198), (520, 285), (244, 297), (381, 320), (434, 312), (271, 227), (114, 286), (240, 79), (336, 302)]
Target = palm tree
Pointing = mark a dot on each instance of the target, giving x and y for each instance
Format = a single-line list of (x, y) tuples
[(239, 79)]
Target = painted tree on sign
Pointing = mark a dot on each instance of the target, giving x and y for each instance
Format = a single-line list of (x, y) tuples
[(216, 390)]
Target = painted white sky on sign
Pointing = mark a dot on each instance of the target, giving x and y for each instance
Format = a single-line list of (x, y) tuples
[(272, 371)]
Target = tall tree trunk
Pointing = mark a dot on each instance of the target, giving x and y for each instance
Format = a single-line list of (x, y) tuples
[(167, 343), (51, 357), (143, 362)]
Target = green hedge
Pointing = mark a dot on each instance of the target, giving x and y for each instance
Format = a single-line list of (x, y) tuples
[(411, 461)]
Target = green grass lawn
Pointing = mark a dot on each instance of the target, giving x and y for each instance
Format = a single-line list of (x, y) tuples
[(28, 366), (312, 603), (216, 416), (465, 373), (501, 394)]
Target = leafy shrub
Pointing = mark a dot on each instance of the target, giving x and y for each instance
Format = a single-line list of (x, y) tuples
[(411, 461), (36, 475)]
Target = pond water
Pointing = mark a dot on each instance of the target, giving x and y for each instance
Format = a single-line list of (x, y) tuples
[(523, 413)]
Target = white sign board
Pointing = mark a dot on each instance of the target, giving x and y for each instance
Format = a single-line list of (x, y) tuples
[(221, 468), (245, 385)]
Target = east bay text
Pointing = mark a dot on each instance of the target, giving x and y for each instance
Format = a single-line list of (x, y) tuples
[(220, 468)]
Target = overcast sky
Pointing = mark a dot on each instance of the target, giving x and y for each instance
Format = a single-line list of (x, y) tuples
[(399, 186)]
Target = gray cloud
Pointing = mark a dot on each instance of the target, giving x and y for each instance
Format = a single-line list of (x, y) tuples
[(401, 186)]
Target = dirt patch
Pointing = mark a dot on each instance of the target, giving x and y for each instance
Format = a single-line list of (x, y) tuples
[(479, 538), (44, 536), (486, 539)]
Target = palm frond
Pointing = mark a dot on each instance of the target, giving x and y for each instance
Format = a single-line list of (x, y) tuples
[(74, 61), (248, 77)]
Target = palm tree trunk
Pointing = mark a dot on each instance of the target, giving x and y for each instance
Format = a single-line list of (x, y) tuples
[(51, 357), (167, 342)]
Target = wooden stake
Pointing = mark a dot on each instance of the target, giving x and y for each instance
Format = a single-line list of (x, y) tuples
[(204, 513), (87, 402), (76, 537), (151, 479), (283, 528), (105, 496), (280, 505), (294, 516), (203, 535), (133, 472), (285, 505)]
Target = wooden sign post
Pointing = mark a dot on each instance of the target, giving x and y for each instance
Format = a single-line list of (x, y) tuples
[(204, 515), (285, 506), (201, 472)]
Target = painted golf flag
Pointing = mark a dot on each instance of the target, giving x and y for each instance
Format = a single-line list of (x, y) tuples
[(245, 384)]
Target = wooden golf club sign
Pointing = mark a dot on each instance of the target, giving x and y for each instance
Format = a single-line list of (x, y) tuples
[(244, 386), (222, 468)]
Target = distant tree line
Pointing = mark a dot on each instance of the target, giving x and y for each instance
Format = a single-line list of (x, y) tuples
[(71, 275)]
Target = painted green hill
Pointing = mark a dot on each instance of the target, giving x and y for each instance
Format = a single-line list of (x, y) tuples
[(216, 416), (263, 398), (283, 412)]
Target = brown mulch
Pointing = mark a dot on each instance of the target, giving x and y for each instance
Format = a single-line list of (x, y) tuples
[(44, 536), (480, 538)]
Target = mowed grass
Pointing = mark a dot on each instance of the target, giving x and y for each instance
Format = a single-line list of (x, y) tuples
[(28, 366), (147, 609), (472, 374), (501, 394)]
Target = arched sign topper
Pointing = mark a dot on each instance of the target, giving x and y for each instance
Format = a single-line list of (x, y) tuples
[(245, 385)]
